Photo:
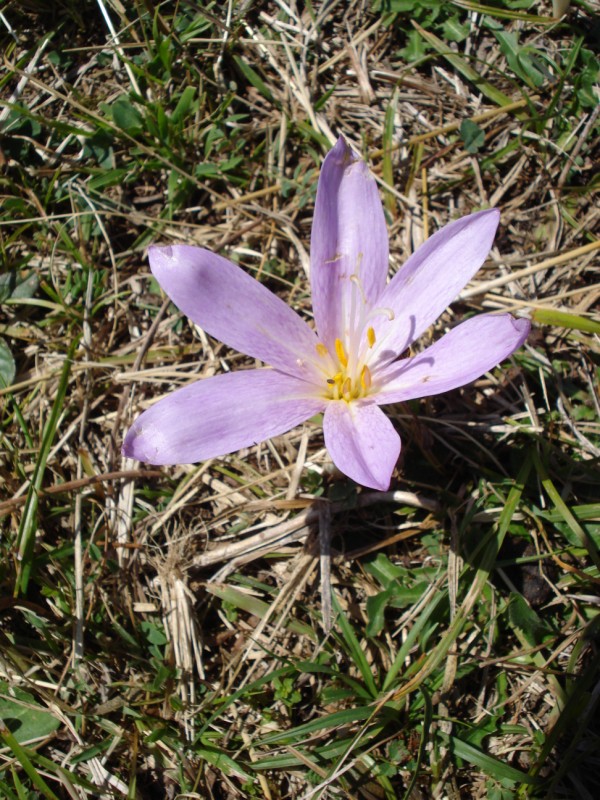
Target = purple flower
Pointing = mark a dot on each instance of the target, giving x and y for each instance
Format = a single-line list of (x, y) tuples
[(348, 367)]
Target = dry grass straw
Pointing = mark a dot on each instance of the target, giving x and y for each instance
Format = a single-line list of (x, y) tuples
[(146, 543)]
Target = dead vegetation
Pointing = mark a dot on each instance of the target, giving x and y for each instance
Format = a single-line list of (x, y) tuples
[(163, 631)]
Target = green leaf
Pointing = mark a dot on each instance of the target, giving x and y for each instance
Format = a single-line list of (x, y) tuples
[(221, 761), (559, 504), (337, 719), (425, 734), (23, 716), (388, 142), (99, 146), (206, 170), (467, 71), (524, 61), (112, 177), (376, 612), (185, 103), (564, 319), (16, 288), (454, 31), (20, 122), (126, 116), (354, 648), (253, 605), (7, 365), (26, 288), (488, 764), (524, 618), (472, 135), (384, 570), (505, 13), (415, 49), (23, 757), (254, 78), (28, 525)]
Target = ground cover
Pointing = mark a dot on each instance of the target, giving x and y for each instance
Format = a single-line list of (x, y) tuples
[(164, 632)]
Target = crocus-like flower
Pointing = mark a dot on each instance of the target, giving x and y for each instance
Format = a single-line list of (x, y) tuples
[(349, 365)]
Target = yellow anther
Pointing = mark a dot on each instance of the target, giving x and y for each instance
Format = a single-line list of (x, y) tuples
[(340, 352), (365, 378), (370, 336), (321, 349), (347, 387)]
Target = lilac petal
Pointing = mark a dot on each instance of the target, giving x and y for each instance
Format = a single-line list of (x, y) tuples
[(362, 442), (431, 279), (469, 350), (219, 415), (349, 236), (235, 308)]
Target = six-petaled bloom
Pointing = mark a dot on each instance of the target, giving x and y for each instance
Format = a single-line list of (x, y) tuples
[(349, 365)]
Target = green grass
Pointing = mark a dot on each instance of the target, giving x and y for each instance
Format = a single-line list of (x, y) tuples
[(162, 630)]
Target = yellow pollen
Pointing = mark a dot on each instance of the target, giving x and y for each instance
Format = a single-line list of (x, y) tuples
[(353, 380), (339, 349), (365, 378)]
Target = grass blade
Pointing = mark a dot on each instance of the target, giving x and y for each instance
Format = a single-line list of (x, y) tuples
[(20, 754), (27, 528), (467, 71), (565, 513)]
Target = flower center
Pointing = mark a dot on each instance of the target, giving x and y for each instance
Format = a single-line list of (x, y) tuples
[(351, 378), (346, 365)]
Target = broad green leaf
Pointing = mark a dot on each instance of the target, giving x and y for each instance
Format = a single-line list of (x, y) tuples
[(376, 612), (523, 617), (415, 49), (16, 288), (472, 135), (26, 288), (7, 365), (126, 116), (24, 756), (384, 570), (23, 716), (206, 170), (524, 61), (455, 31)]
